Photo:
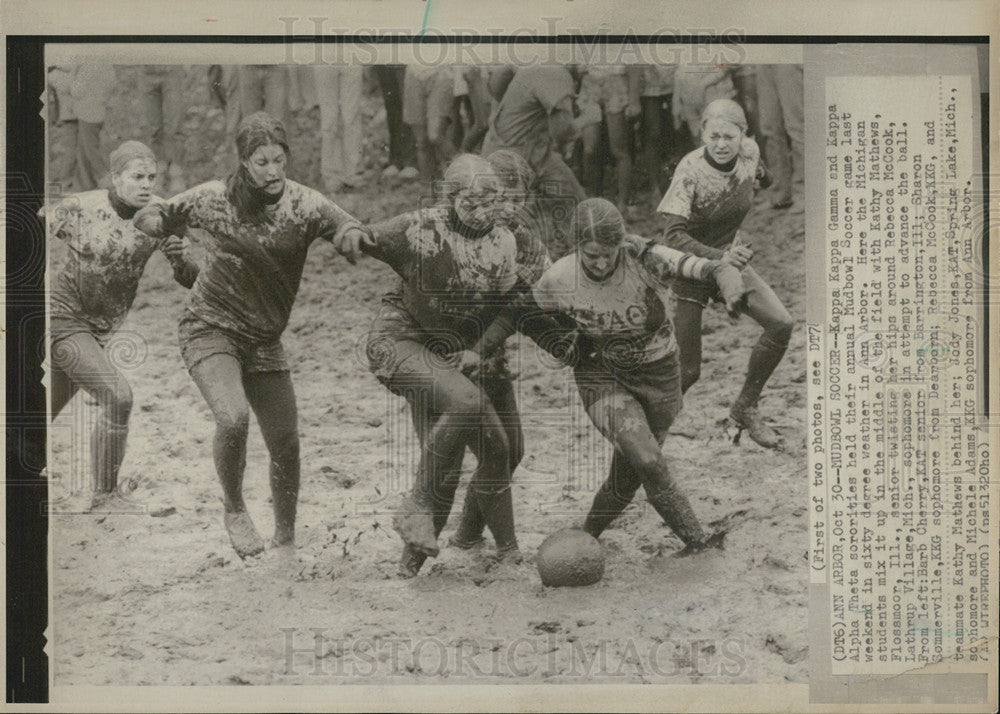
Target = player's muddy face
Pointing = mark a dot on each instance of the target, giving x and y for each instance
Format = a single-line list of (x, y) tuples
[(722, 139), (266, 167), (597, 259), (514, 199), (134, 183), (477, 206)]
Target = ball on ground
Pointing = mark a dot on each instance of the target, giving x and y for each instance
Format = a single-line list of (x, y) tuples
[(570, 557)]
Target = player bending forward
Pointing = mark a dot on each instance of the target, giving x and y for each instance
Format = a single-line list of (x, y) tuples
[(612, 292)]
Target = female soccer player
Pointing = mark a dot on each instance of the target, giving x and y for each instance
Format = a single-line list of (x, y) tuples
[(262, 226), (457, 265), (92, 297), (516, 179), (612, 291), (710, 195)]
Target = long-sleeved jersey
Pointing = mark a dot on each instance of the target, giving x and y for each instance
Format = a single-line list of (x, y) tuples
[(107, 255), (711, 202), (624, 317), (453, 282), (252, 272)]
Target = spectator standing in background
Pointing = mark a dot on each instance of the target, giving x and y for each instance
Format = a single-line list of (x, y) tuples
[(497, 81), (427, 108), (660, 138), (338, 88), (63, 126), (611, 93), (302, 95), (535, 119), (402, 148), (695, 86), (471, 108), (263, 87), (91, 89), (779, 95), (162, 92), (745, 81)]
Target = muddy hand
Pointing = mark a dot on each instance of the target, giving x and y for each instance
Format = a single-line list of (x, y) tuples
[(175, 219), (173, 248), (730, 284), (352, 242), (468, 362)]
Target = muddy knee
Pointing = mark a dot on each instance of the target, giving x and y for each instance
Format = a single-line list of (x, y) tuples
[(120, 407), (642, 454), (780, 332), (232, 424)]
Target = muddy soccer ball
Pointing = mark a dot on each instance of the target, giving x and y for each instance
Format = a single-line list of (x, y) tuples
[(570, 557)]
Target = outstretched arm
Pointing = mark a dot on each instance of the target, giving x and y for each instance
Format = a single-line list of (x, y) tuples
[(185, 269), (194, 208), (63, 218), (546, 327), (676, 235), (664, 263), (389, 240)]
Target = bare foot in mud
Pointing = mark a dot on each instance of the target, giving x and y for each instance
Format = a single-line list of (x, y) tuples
[(417, 530), (243, 535)]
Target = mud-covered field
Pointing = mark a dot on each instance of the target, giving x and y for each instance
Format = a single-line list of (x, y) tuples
[(160, 597)]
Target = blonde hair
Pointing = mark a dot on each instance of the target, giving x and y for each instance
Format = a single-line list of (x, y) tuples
[(727, 110)]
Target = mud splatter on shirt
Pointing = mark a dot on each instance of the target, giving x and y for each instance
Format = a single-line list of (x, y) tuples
[(107, 254), (252, 272), (714, 202), (451, 284), (623, 317)]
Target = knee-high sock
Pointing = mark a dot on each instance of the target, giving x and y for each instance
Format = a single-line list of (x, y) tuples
[(764, 358), (107, 447), (612, 498)]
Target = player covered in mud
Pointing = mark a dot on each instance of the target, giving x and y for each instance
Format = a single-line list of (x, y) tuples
[(611, 294), (710, 195), (458, 265), (516, 184), (92, 295), (261, 226)]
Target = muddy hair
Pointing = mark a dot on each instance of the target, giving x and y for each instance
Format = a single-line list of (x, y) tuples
[(513, 170), (462, 173), (599, 220), (726, 110), (249, 199)]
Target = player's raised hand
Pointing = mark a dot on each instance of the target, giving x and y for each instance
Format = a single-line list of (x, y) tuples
[(175, 219)]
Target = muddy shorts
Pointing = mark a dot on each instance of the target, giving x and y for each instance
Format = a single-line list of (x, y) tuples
[(609, 92), (427, 95), (63, 326), (704, 293), (200, 339), (655, 385)]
